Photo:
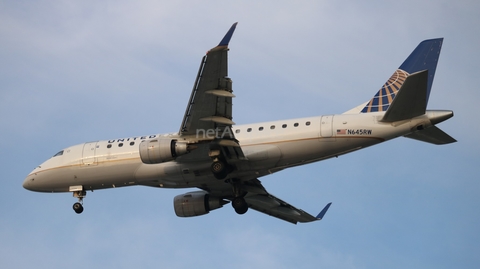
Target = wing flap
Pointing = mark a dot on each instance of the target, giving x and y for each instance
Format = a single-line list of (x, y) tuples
[(221, 92), (218, 119)]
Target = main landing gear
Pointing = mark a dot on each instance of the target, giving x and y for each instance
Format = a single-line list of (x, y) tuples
[(239, 203), (78, 206), (219, 169)]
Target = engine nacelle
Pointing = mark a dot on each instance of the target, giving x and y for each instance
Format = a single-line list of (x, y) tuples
[(196, 203), (161, 150)]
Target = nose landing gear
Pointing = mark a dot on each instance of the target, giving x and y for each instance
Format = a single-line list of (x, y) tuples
[(78, 206)]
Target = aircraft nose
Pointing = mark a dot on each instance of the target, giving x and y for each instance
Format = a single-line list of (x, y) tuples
[(28, 183)]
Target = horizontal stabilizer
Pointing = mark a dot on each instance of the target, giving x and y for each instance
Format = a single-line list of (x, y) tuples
[(411, 99), (432, 135)]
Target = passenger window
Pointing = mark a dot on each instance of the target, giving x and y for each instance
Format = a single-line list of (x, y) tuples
[(307, 123), (296, 124), (237, 131), (260, 128), (249, 129), (109, 146), (132, 143), (120, 145), (272, 127), (284, 126)]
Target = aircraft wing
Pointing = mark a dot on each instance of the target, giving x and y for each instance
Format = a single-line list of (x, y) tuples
[(260, 200), (275, 207), (210, 104), (210, 108)]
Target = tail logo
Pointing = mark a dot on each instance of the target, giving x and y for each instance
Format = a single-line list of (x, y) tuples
[(384, 97)]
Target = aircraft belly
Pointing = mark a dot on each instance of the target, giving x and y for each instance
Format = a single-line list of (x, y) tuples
[(173, 174), (262, 156), (301, 152), (107, 176)]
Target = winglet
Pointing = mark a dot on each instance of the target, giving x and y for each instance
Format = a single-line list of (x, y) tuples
[(228, 36), (324, 210)]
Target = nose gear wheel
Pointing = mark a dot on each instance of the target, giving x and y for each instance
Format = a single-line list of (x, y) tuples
[(78, 206)]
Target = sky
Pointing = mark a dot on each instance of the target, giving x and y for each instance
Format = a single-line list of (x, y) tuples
[(78, 71)]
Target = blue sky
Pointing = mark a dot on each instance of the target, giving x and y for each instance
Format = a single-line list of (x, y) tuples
[(77, 71)]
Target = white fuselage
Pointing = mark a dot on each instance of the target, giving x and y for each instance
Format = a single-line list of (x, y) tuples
[(268, 147)]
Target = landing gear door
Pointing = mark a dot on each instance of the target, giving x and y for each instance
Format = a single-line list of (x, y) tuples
[(326, 128), (89, 150)]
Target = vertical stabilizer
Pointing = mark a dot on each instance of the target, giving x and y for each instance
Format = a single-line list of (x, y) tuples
[(424, 57)]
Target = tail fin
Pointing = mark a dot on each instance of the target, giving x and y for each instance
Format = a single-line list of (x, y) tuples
[(424, 57)]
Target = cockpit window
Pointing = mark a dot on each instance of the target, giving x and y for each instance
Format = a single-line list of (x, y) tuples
[(60, 153)]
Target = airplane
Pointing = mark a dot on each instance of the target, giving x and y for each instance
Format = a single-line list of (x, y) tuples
[(224, 161)]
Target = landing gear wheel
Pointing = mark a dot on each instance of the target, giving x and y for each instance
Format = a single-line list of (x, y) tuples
[(80, 194), (240, 205), (78, 208), (219, 169)]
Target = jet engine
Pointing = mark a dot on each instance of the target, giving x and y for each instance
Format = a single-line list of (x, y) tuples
[(196, 203), (161, 150)]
